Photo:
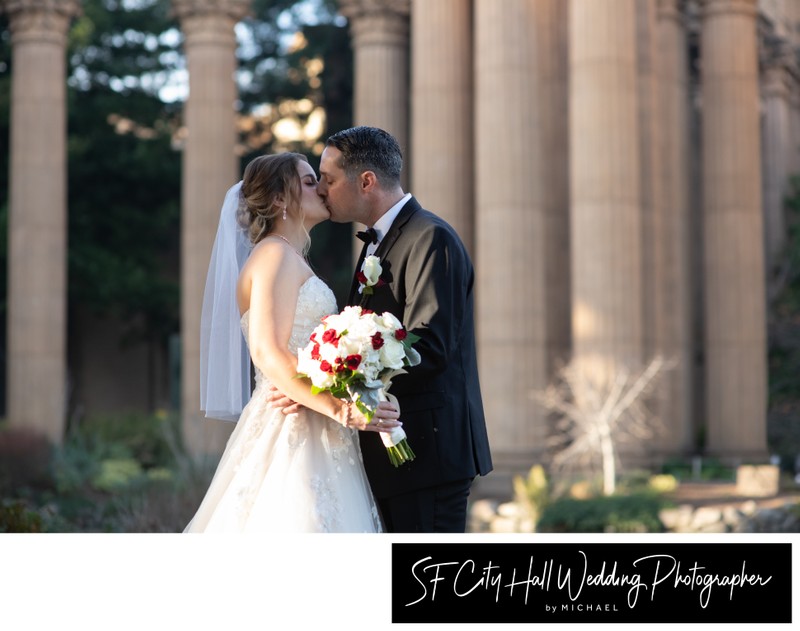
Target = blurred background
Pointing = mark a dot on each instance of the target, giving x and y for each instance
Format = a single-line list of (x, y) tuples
[(623, 173)]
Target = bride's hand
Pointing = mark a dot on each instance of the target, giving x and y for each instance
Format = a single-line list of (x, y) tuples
[(280, 401), (385, 419)]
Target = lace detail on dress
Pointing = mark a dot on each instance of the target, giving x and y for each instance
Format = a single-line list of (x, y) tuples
[(315, 300), (328, 508)]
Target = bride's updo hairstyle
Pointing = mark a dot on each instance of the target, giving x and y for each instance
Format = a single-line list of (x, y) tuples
[(266, 179)]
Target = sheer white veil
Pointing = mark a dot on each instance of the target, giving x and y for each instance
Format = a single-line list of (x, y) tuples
[(224, 357)]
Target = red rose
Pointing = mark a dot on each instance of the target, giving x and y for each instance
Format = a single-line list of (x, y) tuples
[(377, 341), (353, 361), (330, 337), (325, 366), (361, 278), (400, 334), (315, 352), (367, 311)]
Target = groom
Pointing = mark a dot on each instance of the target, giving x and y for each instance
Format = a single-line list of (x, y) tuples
[(427, 282)]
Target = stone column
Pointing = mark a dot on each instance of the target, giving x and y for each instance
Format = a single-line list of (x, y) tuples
[(793, 141), (674, 308), (379, 31), (210, 167), (511, 229), (606, 198), (550, 34), (442, 110), (776, 82), (37, 222), (651, 156), (735, 328)]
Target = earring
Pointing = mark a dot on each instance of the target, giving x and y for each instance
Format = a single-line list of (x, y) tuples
[(284, 213)]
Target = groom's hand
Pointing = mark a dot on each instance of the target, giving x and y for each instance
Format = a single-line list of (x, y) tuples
[(281, 402)]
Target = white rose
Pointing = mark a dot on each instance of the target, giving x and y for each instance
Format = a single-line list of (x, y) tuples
[(389, 321), (392, 353), (362, 329), (372, 269), (310, 367), (321, 379), (329, 353)]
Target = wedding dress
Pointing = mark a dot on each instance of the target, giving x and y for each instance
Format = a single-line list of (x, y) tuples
[(297, 473)]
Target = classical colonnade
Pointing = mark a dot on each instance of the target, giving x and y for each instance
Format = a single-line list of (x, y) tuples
[(607, 196)]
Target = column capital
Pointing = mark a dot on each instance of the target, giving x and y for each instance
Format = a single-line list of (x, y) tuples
[(210, 20), (377, 21), (775, 50), (728, 7), (40, 20), (672, 10), (776, 76), (233, 9)]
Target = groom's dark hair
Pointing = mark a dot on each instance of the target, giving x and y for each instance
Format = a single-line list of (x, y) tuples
[(369, 149)]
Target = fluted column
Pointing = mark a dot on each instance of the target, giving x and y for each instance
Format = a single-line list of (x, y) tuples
[(37, 223), (550, 34), (511, 229), (733, 232), (674, 309), (210, 167), (775, 81), (606, 198), (442, 111), (379, 31), (650, 152)]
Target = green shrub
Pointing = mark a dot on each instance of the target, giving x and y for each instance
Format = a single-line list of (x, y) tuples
[(532, 492), (144, 437), (15, 516), (118, 474), (126, 474), (710, 470), (615, 513)]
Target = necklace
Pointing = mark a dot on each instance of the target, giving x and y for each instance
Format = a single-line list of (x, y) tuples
[(289, 243)]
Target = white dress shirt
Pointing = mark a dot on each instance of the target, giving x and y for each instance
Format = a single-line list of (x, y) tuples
[(385, 222)]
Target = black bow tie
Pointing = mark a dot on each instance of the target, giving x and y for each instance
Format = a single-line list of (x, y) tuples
[(370, 235)]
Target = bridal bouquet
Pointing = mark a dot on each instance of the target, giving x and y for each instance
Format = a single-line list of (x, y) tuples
[(354, 355)]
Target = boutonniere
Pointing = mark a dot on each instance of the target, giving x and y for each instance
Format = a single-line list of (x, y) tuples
[(370, 275)]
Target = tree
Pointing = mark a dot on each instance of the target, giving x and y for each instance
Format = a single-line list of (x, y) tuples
[(296, 88), (123, 173), (595, 418)]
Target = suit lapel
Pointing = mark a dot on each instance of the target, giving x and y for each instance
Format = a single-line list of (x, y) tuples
[(397, 228), (351, 297), (383, 248)]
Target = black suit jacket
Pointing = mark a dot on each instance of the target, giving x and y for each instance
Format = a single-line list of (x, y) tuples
[(429, 286)]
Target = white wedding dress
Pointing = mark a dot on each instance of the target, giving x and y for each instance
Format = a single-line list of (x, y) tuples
[(297, 473)]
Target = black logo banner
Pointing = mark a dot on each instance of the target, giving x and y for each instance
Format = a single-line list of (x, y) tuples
[(592, 582)]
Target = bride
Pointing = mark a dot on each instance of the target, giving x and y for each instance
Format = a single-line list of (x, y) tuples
[(300, 472)]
